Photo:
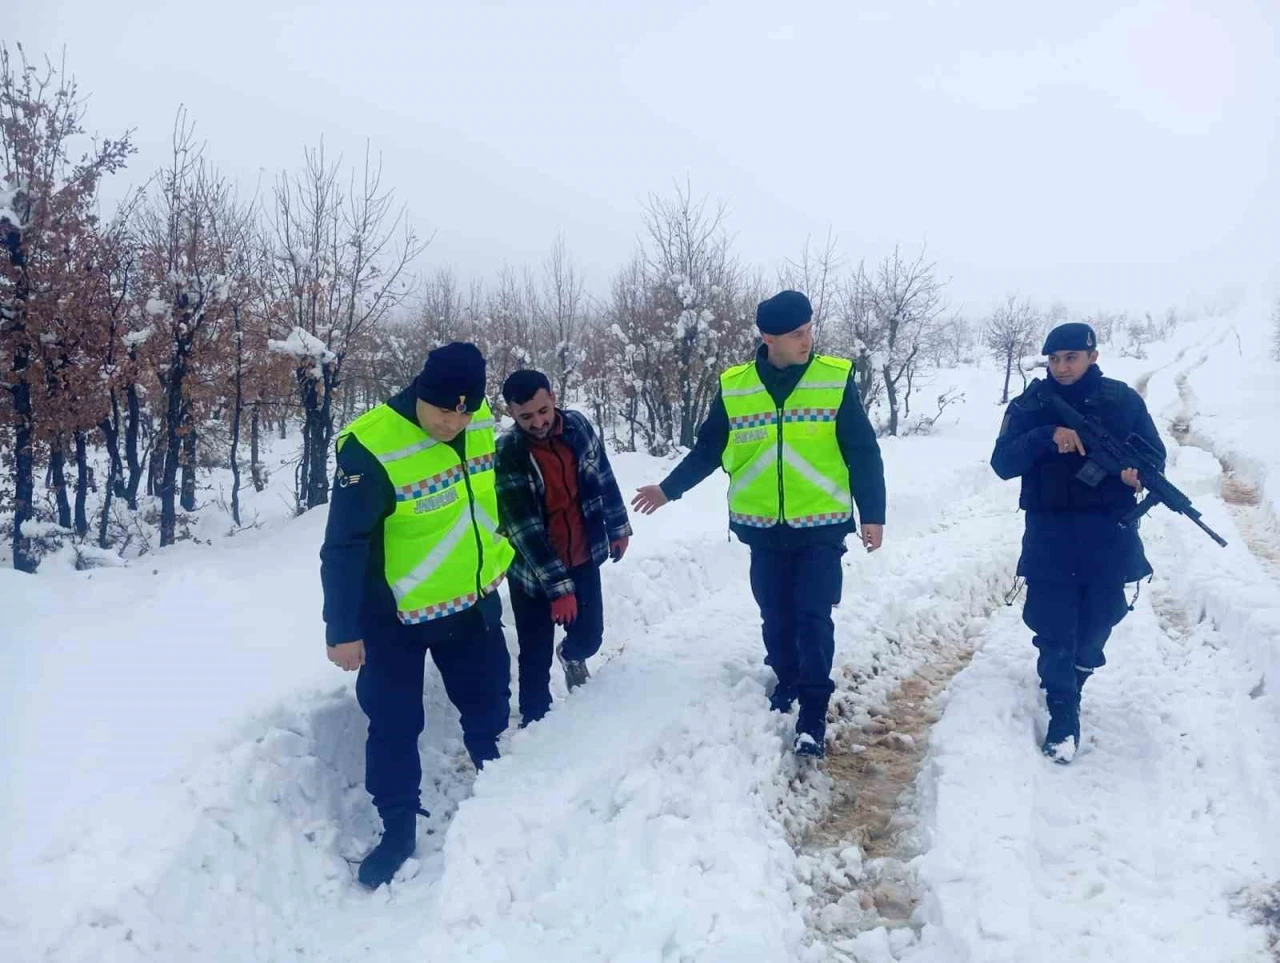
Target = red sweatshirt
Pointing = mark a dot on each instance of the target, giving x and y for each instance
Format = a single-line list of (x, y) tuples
[(566, 528)]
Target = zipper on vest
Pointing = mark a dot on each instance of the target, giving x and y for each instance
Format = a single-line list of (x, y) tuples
[(475, 525), (782, 498)]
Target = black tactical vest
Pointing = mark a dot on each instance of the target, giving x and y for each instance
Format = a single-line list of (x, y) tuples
[(1052, 486)]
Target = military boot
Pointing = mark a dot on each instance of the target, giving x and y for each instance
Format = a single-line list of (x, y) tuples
[(399, 839), (1063, 737)]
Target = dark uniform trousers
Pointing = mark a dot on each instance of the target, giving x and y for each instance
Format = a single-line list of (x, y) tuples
[(470, 652), (537, 634), (1071, 624), (796, 590)]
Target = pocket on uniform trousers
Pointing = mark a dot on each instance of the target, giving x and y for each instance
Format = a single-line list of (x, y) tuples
[(831, 576), (1107, 604), (1051, 609)]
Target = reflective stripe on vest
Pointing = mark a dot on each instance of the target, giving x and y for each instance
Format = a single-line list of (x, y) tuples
[(785, 463), (442, 551)]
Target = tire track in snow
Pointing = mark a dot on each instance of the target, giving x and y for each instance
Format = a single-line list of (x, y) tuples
[(931, 608), (1143, 382), (1236, 588), (1241, 486)]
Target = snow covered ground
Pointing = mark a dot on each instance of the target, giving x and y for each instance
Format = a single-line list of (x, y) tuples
[(184, 767)]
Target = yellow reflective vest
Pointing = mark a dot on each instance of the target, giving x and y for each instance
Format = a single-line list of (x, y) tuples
[(442, 549), (785, 463)]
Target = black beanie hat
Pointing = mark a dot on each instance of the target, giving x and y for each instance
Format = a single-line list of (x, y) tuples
[(453, 378), (1073, 336), (783, 312)]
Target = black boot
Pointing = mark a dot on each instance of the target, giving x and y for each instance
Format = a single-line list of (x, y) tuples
[(399, 839), (1063, 737), (782, 699), (811, 730)]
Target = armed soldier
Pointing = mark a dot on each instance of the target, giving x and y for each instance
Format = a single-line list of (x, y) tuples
[(1077, 556)]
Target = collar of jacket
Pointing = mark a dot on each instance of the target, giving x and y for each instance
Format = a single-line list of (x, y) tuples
[(405, 403), (779, 382), (1087, 387)]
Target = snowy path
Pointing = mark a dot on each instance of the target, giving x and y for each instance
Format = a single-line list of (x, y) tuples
[(650, 817), (1144, 848), (216, 774), (1136, 851)]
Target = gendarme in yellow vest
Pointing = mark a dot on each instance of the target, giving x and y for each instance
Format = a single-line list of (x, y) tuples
[(442, 549), (784, 462)]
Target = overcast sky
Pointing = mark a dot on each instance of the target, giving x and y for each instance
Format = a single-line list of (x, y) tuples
[(1097, 152)]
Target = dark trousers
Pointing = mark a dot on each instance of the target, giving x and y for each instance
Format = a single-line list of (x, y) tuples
[(796, 590), (471, 654), (537, 634), (1071, 624)]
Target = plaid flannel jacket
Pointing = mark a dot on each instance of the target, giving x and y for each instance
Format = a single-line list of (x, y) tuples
[(522, 496)]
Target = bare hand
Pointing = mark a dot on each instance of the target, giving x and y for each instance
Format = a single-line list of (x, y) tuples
[(872, 536), (649, 498), (564, 610), (1130, 477), (348, 656), (1067, 440)]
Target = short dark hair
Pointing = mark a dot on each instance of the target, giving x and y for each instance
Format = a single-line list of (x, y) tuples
[(522, 385)]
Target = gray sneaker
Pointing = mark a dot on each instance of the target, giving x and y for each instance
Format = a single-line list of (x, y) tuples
[(575, 670)]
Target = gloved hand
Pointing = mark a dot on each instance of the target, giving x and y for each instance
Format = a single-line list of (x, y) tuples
[(564, 610), (618, 548)]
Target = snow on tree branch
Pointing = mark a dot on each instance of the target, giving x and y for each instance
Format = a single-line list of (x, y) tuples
[(303, 346)]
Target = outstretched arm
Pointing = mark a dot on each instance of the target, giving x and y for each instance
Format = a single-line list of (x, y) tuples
[(704, 458)]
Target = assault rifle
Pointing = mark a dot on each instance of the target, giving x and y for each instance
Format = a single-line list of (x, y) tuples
[(1107, 455)]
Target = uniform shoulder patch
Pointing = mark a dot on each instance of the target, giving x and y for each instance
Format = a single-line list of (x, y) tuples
[(1112, 390)]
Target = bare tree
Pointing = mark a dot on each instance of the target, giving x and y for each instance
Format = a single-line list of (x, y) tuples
[(816, 273), (249, 370), (854, 332), (561, 310), (116, 271), (339, 266), (183, 253), (1009, 334), (1105, 324), (602, 371), (507, 331), (955, 342), (696, 287), (635, 328), (906, 303)]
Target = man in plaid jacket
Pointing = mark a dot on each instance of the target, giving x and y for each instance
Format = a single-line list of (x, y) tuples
[(560, 507)]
